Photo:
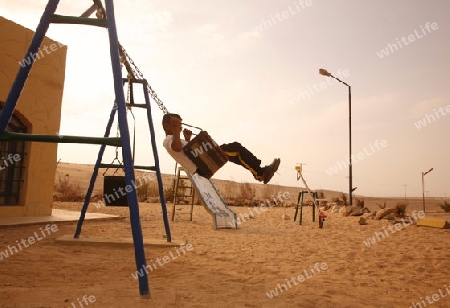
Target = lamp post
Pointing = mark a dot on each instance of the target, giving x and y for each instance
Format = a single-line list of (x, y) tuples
[(324, 72), (423, 187)]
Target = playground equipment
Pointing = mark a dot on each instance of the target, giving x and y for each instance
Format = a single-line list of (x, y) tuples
[(182, 192), (223, 216), (118, 55), (206, 154), (313, 195), (434, 222), (106, 20), (300, 205), (207, 161), (208, 157)]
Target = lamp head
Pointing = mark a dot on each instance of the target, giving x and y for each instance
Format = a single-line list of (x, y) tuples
[(324, 72), (424, 173)]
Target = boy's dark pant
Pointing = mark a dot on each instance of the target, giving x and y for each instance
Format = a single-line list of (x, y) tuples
[(240, 155)]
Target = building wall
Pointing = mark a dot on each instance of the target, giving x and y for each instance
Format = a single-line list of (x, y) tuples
[(40, 106)]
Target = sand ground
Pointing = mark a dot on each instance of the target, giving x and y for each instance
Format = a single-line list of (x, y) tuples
[(230, 268)]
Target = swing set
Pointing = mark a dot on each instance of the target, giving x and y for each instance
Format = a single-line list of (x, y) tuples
[(119, 58), (113, 182), (313, 194)]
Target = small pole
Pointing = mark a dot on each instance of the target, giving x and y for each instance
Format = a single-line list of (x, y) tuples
[(423, 193), (423, 187), (301, 210)]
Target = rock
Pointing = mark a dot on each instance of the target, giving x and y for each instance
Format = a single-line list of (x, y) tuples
[(384, 212), (362, 221), (367, 215), (390, 217), (245, 216), (354, 211), (357, 212), (335, 208), (285, 217)]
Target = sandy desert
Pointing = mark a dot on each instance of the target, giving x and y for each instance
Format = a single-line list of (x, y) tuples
[(269, 261)]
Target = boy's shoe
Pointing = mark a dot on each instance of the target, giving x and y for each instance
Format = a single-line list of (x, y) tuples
[(270, 170)]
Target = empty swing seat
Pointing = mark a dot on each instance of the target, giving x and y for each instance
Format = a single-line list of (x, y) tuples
[(114, 193)]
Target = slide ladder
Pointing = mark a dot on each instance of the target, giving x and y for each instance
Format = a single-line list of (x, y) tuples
[(182, 192)]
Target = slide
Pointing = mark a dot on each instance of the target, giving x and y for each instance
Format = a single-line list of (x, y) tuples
[(223, 216)]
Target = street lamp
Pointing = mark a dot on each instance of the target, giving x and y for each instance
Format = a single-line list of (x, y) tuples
[(324, 72), (423, 187)]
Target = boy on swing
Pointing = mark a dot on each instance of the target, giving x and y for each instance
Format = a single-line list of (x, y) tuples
[(235, 151)]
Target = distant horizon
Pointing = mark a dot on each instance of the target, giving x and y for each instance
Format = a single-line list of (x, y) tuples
[(300, 188)]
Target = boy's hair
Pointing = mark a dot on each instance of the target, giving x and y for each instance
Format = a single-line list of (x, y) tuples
[(167, 116)]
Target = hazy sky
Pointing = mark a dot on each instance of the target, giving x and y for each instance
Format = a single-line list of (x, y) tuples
[(247, 71)]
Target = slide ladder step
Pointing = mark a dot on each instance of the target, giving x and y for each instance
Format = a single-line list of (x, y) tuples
[(178, 189)]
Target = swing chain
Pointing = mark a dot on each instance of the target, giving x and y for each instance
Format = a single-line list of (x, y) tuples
[(134, 70), (131, 67)]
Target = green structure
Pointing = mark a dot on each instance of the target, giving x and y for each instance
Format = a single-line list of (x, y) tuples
[(300, 204)]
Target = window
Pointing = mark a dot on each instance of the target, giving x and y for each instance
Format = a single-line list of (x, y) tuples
[(12, 155)]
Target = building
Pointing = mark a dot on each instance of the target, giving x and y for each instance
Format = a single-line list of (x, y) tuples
[(27, 169)]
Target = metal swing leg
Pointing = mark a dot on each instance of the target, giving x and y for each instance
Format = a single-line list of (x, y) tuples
[(88, 195)]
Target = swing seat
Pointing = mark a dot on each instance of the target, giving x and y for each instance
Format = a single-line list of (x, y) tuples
[(112, 188), (206, 154)]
